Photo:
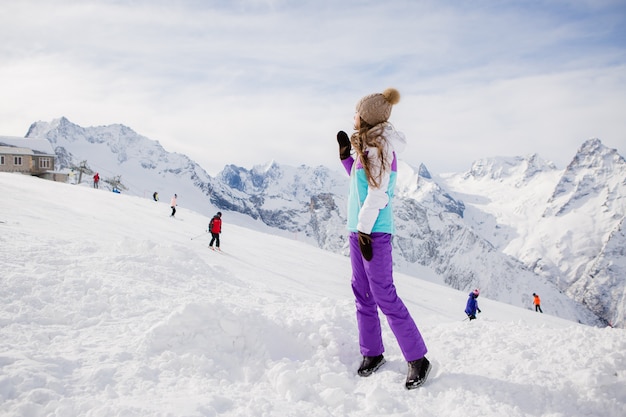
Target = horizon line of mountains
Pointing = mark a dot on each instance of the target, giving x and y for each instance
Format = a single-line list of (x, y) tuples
[(510, 226)]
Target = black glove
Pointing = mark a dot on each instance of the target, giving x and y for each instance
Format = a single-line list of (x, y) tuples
[(344, 145), (478, 309), (365, 243)]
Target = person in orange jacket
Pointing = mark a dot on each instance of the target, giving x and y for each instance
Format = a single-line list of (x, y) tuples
[(537, 303)]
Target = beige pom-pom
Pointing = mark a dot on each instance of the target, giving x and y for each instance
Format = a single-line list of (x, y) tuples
[(392, 96)]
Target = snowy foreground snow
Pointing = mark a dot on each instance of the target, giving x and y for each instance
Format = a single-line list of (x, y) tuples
[(110, 308)]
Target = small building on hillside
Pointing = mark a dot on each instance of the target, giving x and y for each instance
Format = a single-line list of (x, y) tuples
[(29, 156)]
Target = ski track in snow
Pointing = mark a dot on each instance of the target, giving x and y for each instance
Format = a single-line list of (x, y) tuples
[(110, 309)]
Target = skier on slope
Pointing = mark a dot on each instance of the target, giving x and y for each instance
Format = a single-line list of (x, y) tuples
[(472, 305), (370, 222), (173, 205), (215, 228), (537, 303)]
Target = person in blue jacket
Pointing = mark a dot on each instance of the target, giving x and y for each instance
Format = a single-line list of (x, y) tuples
[(472, 305)]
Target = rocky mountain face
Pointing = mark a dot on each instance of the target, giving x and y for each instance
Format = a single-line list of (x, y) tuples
[(449, 229), (565, 225), (590, 200)]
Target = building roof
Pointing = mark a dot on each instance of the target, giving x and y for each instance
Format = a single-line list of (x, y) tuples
[(38, 146)]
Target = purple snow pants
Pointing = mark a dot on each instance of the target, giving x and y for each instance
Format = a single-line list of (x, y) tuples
[(372, 283)]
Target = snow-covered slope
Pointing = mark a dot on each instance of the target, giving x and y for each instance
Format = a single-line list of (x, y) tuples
[(109, 308)]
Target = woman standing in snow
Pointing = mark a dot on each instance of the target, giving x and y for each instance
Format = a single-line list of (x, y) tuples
[(370, 222)]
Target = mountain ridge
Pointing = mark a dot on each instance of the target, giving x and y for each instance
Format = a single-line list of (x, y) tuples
[(433, 227)]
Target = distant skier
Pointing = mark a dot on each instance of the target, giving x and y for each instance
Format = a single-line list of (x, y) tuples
[(472, 305), (173, 205), (537, 303), (96, 180), (215, 228), (155, 196)]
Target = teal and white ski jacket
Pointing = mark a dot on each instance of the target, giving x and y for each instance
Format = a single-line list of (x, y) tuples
[(369, 208)]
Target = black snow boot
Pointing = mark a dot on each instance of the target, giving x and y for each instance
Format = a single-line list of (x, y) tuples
[(418, 372), (370, 364)]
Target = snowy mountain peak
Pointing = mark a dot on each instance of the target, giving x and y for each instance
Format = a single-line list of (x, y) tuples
[(533, 165), (594, 155), (423, 172), (40, 129), (500, 168), (62, 130), (595, 170), (263, 174), (270, 166), (420, 185), (589, 199)]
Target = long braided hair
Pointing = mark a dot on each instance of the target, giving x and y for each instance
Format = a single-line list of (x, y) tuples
[(369, 136)]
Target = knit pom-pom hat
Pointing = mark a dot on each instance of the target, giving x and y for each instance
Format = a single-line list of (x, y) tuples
[(376, 108)]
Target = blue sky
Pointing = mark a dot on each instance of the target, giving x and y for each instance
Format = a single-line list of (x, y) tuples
[(248, 81)]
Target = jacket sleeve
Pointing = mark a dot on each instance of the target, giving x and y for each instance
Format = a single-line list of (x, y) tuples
[(347, 164), (377, 198)]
